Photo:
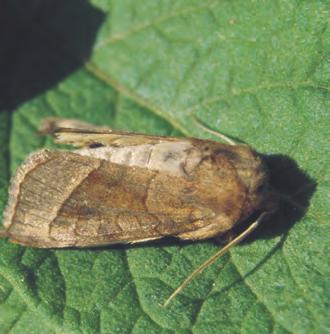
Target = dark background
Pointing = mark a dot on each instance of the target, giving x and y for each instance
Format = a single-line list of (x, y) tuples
[(42, 42)]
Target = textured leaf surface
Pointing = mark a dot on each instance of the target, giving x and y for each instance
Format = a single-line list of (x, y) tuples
[(254, 70)]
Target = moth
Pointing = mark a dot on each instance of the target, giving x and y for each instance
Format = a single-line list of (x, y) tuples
[(123, 187)]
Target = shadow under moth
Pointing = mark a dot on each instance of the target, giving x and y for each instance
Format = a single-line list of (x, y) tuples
[(122, 187)]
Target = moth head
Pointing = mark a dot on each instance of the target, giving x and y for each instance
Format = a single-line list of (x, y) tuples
[(253, 174)]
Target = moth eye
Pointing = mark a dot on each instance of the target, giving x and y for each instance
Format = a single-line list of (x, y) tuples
[(95, 145)]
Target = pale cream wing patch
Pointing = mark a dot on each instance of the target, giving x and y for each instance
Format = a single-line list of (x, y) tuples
[(81, 138), (82, 134)]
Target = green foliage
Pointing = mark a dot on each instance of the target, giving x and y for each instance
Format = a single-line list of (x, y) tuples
[(256, 70)]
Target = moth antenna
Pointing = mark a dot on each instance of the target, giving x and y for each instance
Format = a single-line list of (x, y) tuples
[(214, 257), (215, 133)]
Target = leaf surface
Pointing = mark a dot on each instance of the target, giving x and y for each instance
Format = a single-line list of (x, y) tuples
[(256, 71)]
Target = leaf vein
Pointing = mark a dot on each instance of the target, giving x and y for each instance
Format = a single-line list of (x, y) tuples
[(254, 90), (162, 18), (103, 77)]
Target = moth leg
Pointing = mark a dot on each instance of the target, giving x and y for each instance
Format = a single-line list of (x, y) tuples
[(206, 232), (220, 225), (215, 133)]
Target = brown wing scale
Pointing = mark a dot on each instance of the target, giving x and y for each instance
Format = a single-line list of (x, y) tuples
[(90, 202)]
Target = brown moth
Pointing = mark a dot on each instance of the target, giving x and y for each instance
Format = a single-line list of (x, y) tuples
[(121, 187)]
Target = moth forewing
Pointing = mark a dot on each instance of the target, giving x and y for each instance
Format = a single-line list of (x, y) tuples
[(125, 188)]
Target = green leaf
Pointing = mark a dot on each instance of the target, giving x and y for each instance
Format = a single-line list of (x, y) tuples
[(256, 71)]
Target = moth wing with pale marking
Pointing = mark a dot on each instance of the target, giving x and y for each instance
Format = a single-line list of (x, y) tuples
[(125, 187), (81, 134)]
